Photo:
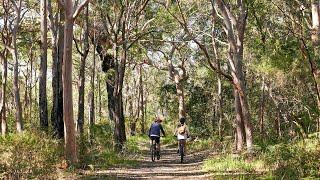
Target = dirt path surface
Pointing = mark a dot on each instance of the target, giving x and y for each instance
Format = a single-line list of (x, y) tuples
[(168, 167)]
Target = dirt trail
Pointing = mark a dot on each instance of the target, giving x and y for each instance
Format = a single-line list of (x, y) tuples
[(168, 167)]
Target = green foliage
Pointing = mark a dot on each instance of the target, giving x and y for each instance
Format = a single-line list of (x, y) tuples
[(196, 105), (99, 151), (203, 144), (28, 156), (167, 99), (295, 160), (230, 163)]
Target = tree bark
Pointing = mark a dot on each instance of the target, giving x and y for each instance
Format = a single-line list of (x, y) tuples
[(235, 29), (14, 52), (220, 108), (82, 73), (3, 94), (70, 138), (240, 134), (262, 105), (141, 95), (315, 12), (57, 59), (43, 109), (92, 90)]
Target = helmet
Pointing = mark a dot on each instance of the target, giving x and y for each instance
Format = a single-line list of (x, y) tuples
[(159, 118), (182, 120)]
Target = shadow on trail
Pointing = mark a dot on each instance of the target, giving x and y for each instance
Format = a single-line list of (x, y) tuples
[(168, 167)]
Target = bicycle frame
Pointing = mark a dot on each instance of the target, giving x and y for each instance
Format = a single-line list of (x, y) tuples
[(153, 150)]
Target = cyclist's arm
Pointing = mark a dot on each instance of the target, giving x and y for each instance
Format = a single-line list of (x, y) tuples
[(162, 130), (187, 131), (149, 131), (176, 131)]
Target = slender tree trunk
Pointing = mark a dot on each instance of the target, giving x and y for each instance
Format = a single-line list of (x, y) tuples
[(30, 83), (141, 93), (82, 74), (262, 104), (3, 94), (220, 107), (315, 5), (14, 53), (99, 96), (92, 91), (43, 109), (119, 131), (108, 63), (180, 93)]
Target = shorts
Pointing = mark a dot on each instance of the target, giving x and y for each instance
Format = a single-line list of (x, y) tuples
[(156, 139)]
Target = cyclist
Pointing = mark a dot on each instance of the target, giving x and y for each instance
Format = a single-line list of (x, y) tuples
[(182, 133), (154, 133)]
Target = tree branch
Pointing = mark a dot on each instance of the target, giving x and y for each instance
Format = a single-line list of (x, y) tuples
[(80, 7)]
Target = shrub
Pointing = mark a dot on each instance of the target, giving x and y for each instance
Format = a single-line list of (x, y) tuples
[(29, 155), (294, 160)]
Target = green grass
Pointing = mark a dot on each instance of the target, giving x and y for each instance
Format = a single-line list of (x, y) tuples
[(294, 159), (228, 163)]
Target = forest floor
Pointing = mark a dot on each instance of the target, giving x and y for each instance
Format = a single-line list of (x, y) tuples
[(168, 167)]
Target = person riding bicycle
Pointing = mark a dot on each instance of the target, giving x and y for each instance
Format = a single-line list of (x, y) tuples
[(182, 133), (154, 132)]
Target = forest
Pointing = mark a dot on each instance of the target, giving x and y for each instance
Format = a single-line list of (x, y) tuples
[(83, 80)]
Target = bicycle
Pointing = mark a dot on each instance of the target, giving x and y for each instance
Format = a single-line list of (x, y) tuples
[(153, 151), (182, 143)]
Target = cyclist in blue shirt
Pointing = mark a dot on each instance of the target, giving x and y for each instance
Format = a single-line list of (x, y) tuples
[(154, 132)]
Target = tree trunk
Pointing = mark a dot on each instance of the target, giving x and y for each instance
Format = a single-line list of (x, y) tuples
[(119, 131), (141, 107), (240, 132), (3, 94), (220, 107), (14, 53), (70, 138), (235, 29), (92, 91), (180, 93), (43, 109), (262, 104), (107, 64), (315, 42), (57, 59), (82, 74)]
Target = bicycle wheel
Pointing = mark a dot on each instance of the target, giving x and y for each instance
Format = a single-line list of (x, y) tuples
[(152, 150), (181, 151)]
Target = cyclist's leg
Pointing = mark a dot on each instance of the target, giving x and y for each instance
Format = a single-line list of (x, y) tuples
[(157, 140), (183, 143)]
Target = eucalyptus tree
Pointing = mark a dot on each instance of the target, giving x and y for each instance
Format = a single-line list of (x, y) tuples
[(84, 53), (43, 108), (175, 64), (6, 41), (223, 20), (123, 23), (16, 8), (56, 17), (71, 12)]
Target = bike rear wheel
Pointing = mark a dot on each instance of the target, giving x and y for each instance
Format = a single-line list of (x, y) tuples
[(153, 151), (181, 151)]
